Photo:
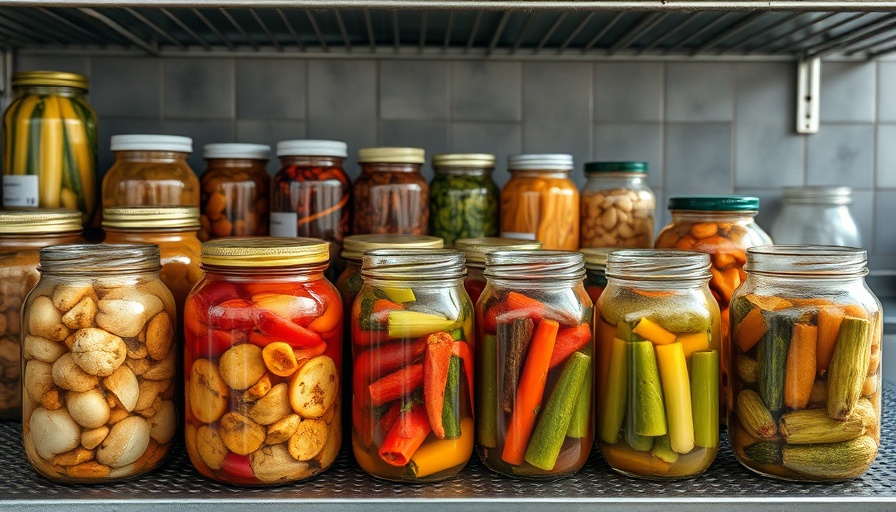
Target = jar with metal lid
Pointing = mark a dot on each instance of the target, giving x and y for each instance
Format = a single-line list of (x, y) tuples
[(540, 202), (806, 364), (99, 364), (22, 235), (311, 194), (658, 371), (535, 360), (816, 215), (235, 191), (412, 379), (463, 198), (262, 361), (596, 270), (475, 250), (49, 151), (617, 206), (391, 196), (173, 229), (724, 227), (150, 170)]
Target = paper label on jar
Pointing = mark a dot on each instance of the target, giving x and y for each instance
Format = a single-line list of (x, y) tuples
[(20, 191), (284, 224), (520, 236)]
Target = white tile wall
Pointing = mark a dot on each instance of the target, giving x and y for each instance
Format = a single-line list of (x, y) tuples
[(704, 127)]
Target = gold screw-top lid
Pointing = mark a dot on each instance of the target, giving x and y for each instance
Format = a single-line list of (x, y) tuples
[(464, 160), (144, 217), (353, 247), (596, 257), (391, 155), (475, 249), (264, 251), (43, 221), (49, 78)]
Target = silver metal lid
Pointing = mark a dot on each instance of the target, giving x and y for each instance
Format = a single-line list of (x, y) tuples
[(538, 162)]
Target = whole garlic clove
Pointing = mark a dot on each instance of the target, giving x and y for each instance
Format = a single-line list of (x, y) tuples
[(98, 352), (89, 408), (125, 443), (53, 432), (45, 320), (124, 386)]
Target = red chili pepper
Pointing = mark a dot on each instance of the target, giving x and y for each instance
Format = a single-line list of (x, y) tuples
[(238, 466), (405, 436), (388, 420), (569, 340), (462, 350), (435, 377), (232, 314), (286, 331), (397, 384)]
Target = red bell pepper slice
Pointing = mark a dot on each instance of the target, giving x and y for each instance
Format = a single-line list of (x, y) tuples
[(232, 314), (396, 385), (405, 436), (239, 467), (286, 331), (569, 340), (213, 343)]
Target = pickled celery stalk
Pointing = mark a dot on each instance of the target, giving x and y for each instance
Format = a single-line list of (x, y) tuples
[(413, 324), (677, 391), (705, 398), (612, 413)]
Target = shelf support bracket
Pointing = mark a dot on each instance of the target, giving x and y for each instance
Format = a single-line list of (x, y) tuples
[(808, 95)]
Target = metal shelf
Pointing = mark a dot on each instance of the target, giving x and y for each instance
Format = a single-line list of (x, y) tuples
[(725, 486), (506, 28)]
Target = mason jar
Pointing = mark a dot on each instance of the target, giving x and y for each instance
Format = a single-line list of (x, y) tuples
[(235, 191), (412, 382), (391, 196), (724, 227), (262, 362), (536, 364), (463, 197), (658, 370), (618, 206), (99, 364), (806, 364), (817, 215), (475, 249), (22, 235), (596, 270), (150, 170)]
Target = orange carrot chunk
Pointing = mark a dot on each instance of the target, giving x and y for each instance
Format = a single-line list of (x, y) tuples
[(829, 319), (435, 377), (799, 374), (750, 330)]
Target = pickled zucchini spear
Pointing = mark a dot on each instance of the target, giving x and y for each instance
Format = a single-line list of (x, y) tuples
[(401, 295), (677, 393), (849, 366), (413, 324), (705, 398), (616, 394), (647, 409)]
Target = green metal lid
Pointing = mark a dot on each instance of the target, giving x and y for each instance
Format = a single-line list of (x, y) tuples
[(639, 167), (715, 203)]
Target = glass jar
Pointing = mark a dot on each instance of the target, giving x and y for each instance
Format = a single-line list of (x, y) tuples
[(262, 357), (540, 202), (49, 152), (391, 195), (235, 191), (311, 194), (463, 198), (99, 364), (816, 215), (475, 249), (150, 170), (658, 373), (724, 227), (806, 372), (617, 206), (173, 229), (596, 271), (412, 381), (22, 235), (536, 364)]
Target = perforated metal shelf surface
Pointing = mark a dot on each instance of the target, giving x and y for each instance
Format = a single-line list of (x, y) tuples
[(725, 486)]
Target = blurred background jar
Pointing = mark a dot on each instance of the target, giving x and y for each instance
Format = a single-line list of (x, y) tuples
[(540, 202), (412, 379), (150, 170), (235, 191), (806, 364), (816, 215), (391, 196), (618, 206), (463, 198), (262, 360), (22, 235), (596, 271), (49, 151), (475, 249), (311, 194), (658, 364), (535, 356), (100, 407), (723, 227)]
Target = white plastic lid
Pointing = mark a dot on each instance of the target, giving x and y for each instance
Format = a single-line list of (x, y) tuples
[(312, 148), (143, 142), (237, 150), (558, 162)]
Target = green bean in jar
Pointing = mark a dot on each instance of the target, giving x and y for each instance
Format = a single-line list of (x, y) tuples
[(463, 197)]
